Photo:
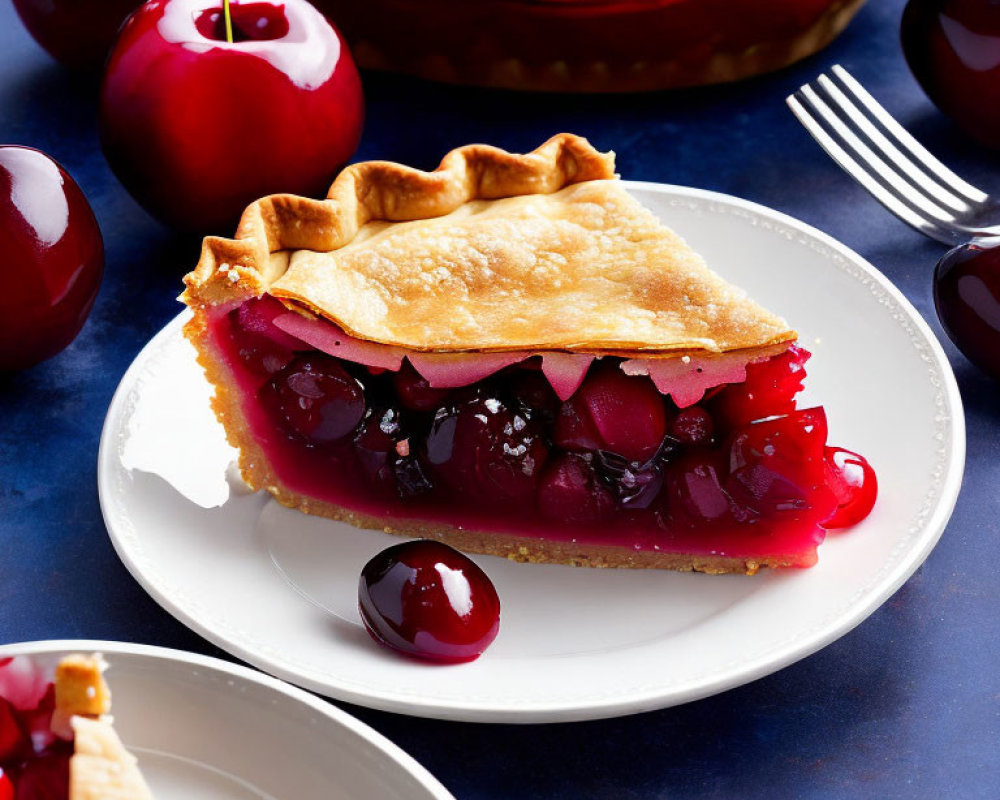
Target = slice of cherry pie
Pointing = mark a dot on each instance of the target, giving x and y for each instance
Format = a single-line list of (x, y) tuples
[(510, 354), (56, 740)]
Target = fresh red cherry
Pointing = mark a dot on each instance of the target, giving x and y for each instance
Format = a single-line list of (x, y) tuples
[(318, 398), (78, 33), (197, 127), (967, 298), (953, 49), (854, 484), (6, 787), (429, 601), (52, 258)]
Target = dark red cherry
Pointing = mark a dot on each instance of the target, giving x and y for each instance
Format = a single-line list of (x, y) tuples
[(14, 741), (197, 127), (695, 493), (613, 411), (46, 777), (693, 426), (571, 492), (375, 443), (78, 33), (854, 484), (262, 346), (6, 787), (486, 450), (637, 486), (318, 398), (429, 601), (574, 429), (415, 392), (769, 389), (951, 47), (51, 258), (533, 394), (627, 412), (384, 448), (967, 298)]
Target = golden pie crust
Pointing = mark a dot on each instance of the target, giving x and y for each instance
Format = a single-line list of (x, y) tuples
[(491, 251), (100, 768)]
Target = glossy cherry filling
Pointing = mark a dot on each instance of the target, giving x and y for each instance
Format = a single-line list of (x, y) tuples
[(742, 473), (34, 761)]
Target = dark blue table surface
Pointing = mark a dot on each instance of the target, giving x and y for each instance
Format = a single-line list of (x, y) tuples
[(906, 705)]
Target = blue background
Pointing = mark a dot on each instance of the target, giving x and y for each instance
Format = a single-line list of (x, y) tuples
[(906, 705)]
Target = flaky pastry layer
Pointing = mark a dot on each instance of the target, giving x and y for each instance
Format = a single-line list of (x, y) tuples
[(492, 251)]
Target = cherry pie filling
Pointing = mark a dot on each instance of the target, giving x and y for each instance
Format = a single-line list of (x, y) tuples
[(34, 760), (743, 472)]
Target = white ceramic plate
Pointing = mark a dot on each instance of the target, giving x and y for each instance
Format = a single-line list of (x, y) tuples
[(201, 727), (278, 588)]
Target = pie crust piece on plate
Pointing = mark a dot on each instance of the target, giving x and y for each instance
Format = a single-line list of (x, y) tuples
[(99, 766)]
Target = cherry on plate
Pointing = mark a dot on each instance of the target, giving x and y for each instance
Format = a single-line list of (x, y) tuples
[(427, 600), (53, 258), (197, 127), (319, 399), (967, 298)]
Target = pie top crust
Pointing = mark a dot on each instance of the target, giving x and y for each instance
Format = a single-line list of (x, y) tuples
[(492, 251)]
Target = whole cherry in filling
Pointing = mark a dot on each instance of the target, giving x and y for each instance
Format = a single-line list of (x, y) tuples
[(429, 601), (318, 398), (6, 787), (486, 449)]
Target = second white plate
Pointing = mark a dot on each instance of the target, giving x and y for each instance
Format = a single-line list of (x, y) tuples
[(278, 588), (203, 728)]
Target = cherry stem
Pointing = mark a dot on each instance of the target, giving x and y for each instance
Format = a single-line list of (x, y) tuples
[(229, 21)]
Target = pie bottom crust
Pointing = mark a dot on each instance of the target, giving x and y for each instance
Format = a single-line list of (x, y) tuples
[(258, 474)]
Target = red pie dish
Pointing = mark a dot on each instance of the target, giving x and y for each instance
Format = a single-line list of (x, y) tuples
[(511, 355), (56, 740), (587, 45)]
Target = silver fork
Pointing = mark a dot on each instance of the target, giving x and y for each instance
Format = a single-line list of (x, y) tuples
[(878, 153)]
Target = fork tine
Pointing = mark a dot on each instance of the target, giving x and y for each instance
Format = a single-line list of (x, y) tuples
[(856, 119), (862, 175), (874, 164), (902, 137)]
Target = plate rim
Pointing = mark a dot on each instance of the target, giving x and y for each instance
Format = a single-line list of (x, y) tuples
[(642, 698), (345, 721)]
